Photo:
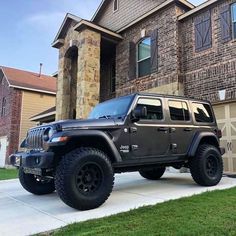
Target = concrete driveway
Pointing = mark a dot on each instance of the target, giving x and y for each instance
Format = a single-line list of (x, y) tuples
[(23, 213)]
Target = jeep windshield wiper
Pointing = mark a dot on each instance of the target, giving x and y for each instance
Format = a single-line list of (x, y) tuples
[(105, 117)]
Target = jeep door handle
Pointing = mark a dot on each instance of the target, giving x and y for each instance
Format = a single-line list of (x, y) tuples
[(163, 129), (188, 129)]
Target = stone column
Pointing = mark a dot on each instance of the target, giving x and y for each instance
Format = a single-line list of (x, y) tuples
[(88, 84), (63, 90)]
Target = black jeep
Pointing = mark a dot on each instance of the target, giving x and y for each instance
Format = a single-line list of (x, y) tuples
[(140, 132)]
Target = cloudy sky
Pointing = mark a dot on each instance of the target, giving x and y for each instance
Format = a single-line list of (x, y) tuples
[(28, 28)]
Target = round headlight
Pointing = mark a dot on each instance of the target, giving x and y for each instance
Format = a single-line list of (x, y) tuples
[(47, 134)]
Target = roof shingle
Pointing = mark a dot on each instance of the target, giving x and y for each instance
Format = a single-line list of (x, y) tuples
[(29, 80)]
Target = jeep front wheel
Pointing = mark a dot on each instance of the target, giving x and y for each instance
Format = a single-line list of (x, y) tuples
[(35, 185), (207, 166), (84, 178), (153, 173)]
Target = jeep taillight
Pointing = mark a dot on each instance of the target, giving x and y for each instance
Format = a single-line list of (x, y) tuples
[(219, 133)]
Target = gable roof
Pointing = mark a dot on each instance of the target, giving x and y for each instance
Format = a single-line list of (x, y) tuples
[(45, 114), (64, 27), (26, 80), (198, 8), (105, 2)]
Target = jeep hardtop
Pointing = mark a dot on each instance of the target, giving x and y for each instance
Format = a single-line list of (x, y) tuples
[(139, 132)]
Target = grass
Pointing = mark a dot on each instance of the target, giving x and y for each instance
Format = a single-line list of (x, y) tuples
[(8, 174), (212, 213)]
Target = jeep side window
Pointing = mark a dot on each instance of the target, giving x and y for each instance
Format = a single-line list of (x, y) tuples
[(154, 108), (202, 113), (179, 111)]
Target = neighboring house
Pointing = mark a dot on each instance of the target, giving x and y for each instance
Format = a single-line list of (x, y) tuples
[(158, 46), (22, 94)]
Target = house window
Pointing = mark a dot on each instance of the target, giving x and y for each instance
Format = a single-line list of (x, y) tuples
[(234, 20), (115, 5), (3, 113), (144, 57)]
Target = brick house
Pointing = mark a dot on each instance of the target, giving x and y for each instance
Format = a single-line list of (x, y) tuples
[(22, 94), (169, 47)]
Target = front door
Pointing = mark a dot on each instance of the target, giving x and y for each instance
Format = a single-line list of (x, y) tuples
[(3, 149), (226, 119), (150, 136)]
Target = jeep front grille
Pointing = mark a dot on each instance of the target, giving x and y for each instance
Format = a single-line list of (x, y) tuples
[(34, 139)]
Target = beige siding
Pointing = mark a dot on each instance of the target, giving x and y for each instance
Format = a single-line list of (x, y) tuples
[(32, 104), (128, 11)]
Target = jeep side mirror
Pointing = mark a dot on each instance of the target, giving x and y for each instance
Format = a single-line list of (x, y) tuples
[(139, 112)]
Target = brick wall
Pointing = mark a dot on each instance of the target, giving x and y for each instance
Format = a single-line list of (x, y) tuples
[(10, 123), (214, 69), (165, 21)]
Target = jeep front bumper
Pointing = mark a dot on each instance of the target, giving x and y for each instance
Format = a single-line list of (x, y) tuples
[(32, 159)]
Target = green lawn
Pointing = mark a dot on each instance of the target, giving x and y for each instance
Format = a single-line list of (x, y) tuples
[(212, 213), (8, 174)]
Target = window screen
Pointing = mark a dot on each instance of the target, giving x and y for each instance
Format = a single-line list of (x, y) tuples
[(3, 112), (179, 111), (202, 113), (115, 5), (154, 108), (144, 57)]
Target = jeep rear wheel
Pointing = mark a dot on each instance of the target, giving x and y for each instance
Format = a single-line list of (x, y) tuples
[(153, 174), (84, 178), (207, 166), (35, 185)]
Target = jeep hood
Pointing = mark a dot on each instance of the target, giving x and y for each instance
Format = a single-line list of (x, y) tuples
[(86, 124)]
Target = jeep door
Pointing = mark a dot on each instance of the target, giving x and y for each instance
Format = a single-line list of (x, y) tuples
[(181, 126), (149, 137)]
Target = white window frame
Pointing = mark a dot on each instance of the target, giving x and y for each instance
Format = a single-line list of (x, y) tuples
[(137, 56), (233, 6), (117, 9)]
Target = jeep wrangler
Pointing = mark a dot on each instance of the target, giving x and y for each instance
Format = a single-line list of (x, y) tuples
[(140, 132)]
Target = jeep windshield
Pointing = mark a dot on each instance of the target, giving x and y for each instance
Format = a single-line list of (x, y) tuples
[(115, 108)]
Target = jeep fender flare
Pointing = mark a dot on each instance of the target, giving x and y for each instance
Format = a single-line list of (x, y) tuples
[(73, 134), (197, 140)]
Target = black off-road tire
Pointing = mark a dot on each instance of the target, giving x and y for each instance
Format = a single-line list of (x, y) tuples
[(207, 166), (32, 185), (84, 178), (152, 174)]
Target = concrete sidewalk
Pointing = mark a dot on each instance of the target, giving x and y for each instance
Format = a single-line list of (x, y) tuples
[(23, 213)]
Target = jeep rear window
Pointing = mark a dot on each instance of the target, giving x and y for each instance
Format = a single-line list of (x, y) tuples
[(179, 111), (202, 112), (154, 108)]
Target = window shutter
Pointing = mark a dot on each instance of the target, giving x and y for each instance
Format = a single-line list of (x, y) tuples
[(132, 60), (203, 31), (225, 23), (154, 51)]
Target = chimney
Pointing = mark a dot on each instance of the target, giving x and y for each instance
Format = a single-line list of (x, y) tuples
[(40, 69)]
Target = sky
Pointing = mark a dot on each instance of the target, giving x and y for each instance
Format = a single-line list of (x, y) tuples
[(28, 28)]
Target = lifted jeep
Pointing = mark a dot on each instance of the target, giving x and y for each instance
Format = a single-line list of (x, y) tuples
[(140, 132)]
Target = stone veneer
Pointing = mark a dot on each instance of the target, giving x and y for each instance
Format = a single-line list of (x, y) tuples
[(88, 73)]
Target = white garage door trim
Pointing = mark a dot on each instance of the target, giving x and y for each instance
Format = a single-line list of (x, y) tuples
[(3, 150)]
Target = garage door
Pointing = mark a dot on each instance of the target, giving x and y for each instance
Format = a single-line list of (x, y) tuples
[(226, 119), (3, 149)]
